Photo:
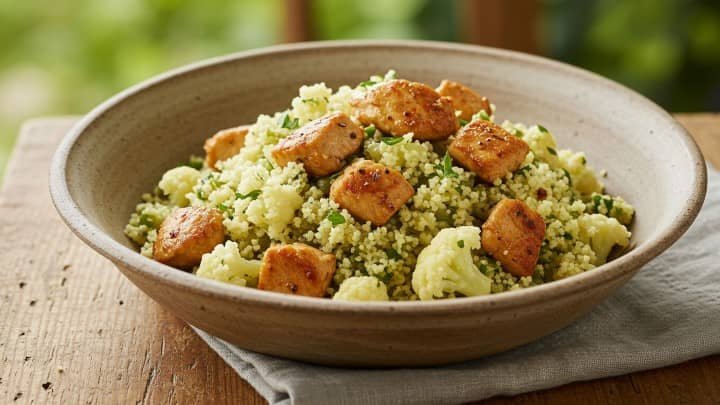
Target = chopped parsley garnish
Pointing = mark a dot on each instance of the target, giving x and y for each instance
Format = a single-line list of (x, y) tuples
[(483, 115), (597, 199), (524, 169), (200, 195), (310, 101), (392, 140), (147, 220), (370, 131), (336, 218), (196, 162), (608, 204), (368, 83), (222, 207), (461, 243), (567, 236), (542, 128), (552, 151), (289, 123), (393, 254), (253, 195), (567, 174), (463, 122), (215, 183), (446, 167), (519, 133)]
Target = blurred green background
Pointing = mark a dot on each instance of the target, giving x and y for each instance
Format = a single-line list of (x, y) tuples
[(64, 57)]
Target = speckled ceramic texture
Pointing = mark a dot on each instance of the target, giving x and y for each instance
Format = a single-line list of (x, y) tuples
[(121, 149)]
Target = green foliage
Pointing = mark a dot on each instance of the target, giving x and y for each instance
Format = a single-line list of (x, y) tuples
[(64, 57)]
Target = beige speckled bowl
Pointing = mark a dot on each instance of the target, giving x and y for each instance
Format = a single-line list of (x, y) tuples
[(122, 147)]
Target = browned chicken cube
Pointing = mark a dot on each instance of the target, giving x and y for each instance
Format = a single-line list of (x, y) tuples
[(488, 150), (398, 107), (371, 191), (296, 269), (321, 145), (464, 99), (224, 145), (513, 234), (186, 234)]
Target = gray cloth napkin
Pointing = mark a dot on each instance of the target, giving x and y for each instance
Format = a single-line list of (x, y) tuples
[(668, 313)]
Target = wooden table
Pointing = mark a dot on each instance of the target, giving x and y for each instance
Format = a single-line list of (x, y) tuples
[(75, 331)]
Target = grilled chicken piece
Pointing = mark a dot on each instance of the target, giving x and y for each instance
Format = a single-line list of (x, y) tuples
[(321, 145), (488, 150), (224, 144), (464, 99), (296, 269), (371, 191), (186, 234), (398, 107), (513, 234)]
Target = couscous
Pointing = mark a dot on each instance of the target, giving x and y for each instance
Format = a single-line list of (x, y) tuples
[(389, 190)]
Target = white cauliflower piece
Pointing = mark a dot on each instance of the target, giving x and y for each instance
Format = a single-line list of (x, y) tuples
[(225, 264), (602, 233), (446, 265), (583, 176), (178, 182), (274, 208), (364, 288)]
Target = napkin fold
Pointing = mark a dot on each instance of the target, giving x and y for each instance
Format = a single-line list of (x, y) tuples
[(668, 313)]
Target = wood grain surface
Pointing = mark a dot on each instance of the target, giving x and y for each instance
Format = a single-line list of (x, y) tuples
[(76, 331)]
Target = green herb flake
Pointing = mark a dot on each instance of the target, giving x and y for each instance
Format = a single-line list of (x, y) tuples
[(289, 123), (567, 236), (463, 122), (200, 195), (461, 243), (393, 254), (222, 207), (336, 218), (608, 204), (253, 195), (446, 166), (551, 151), (392, 140), (542, 129), (483, 115), (567, 174), (310, 101), (523, 170), (368, 83), (370, 131), (147, 220), (196, 162), (519, 133), (597, 200)]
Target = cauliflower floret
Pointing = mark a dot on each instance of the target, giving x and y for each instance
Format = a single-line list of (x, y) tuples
[(275, 208), (542, 144), (446, 265), (178, 182), (365, 288), (225, 264), (583, 177), (602, 233), (610, 206)]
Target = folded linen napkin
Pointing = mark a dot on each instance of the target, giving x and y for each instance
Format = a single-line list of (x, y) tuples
[(668, 313)]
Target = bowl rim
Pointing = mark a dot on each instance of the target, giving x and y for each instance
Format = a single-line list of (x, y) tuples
[(130, 259)]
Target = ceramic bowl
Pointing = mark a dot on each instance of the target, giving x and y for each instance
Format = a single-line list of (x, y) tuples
[(121, 148)]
